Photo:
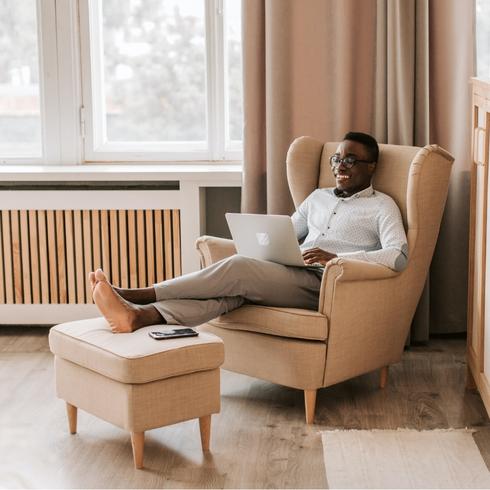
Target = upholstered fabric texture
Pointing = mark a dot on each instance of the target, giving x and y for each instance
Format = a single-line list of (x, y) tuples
[(139, 407), (134, 357), (283, 360), (285, 322), (215, 249)]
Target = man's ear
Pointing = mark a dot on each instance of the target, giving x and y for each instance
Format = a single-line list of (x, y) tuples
[(371, 168)]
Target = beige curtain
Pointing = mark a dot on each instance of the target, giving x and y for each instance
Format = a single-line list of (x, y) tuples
[(452, 63), (397, 69)]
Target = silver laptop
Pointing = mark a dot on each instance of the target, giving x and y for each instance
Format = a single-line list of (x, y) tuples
[(265, 237)]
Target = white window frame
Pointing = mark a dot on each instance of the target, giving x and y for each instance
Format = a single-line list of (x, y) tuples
[(97, 150)]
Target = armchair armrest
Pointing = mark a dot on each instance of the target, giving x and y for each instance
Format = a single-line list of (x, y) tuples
[(350, 270), (360, 270), (369, 309), (212, 249)]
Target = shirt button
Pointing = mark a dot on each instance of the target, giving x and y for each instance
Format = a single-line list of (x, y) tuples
[(334, 212), (328, 227)]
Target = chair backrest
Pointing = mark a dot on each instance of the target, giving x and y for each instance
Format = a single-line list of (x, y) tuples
[(416, 178), (391, 175)]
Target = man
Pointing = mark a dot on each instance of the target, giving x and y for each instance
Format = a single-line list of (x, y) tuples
[(351, 220)]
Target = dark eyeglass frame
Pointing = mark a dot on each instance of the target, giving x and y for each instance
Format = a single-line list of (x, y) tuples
[(348, 162)]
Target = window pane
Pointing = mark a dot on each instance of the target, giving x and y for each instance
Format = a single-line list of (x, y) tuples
[(483, 38), (233, 30), (20, 106), (154, 56)]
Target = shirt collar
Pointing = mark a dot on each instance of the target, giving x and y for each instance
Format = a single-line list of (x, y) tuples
[(368, 191)]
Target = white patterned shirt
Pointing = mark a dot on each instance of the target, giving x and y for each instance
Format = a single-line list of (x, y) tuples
[(365, 226)]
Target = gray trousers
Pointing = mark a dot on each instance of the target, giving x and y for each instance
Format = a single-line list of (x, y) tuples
[(200, 296)]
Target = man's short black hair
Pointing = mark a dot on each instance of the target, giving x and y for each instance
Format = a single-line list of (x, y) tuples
[(367, 140)]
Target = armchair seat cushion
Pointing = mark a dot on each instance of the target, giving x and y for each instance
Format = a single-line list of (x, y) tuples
[(283, 322)]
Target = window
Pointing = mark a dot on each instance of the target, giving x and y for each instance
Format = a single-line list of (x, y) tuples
[(158, 86), (120, 81), (20, 97), (28, 85), (233, 85), (483, 39)]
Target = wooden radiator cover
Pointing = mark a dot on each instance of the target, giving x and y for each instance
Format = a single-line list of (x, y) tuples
[(46, 255)]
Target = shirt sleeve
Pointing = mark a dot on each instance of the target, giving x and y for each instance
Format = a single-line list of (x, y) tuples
[(300, 219), (394, 248)]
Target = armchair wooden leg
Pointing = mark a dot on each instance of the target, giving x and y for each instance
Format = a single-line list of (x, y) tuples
[(138, 443), (205, 428), (72, 412), (310, 400), (383, 377)]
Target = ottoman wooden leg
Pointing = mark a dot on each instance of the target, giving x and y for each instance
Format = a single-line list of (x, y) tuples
[(72, 417), (205, 428), (138, 443)]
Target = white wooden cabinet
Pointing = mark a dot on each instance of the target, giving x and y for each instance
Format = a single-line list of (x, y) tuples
[(479, 258)]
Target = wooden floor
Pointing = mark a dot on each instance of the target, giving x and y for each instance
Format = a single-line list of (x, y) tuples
[(259, 440)]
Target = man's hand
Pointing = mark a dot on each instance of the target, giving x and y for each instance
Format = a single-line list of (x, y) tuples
[(317, 255)]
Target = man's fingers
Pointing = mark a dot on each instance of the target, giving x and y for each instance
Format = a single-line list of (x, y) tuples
[(315, 249), (316, 254), (311, 251), (310, 256)]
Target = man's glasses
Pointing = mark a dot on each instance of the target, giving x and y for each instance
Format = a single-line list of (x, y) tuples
[(348, 162)]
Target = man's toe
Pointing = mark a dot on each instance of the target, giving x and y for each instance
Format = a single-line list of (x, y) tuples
[(100, 275)]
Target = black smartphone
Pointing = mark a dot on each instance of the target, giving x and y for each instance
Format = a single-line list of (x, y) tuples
[(174, 333)]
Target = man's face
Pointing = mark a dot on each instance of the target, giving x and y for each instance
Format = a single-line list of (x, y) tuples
[(358, 177)]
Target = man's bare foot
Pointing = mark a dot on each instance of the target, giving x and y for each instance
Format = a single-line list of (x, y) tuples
[(138, 296), (122, 316), (92, 280), (95, 277), (99, 275)]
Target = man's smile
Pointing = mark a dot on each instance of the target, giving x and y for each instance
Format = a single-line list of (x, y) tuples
[(342, 177)]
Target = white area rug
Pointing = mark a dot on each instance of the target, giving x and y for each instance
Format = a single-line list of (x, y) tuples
[(403, 459)]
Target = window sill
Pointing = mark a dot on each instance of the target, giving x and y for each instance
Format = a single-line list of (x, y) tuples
[(204, 174)]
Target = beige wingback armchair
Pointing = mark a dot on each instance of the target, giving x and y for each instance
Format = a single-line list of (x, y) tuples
[(365, 309)]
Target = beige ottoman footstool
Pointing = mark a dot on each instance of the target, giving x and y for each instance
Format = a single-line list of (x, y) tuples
[(134, 381)]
